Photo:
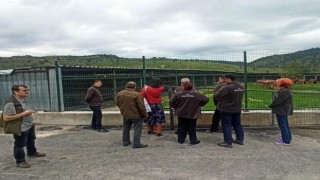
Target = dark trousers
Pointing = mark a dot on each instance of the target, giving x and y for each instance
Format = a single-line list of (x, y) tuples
[(215, 121), (187, 126), (137, 126), (228, 121), (96, 117), (27, 138)]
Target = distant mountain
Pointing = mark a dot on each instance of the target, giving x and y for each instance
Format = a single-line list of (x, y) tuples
[(308, 59)]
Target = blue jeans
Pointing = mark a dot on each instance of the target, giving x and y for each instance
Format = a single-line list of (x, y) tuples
[(27, 138), (137, 126), (229, 120), (284, 128), (96, 117)]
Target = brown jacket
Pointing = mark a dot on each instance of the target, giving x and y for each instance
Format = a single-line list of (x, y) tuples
[(131, 104)]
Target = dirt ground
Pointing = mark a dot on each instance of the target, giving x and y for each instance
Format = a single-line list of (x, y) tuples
[(75, 152)]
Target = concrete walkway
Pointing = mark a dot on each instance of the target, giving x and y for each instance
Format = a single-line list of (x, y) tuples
[(77, 153)]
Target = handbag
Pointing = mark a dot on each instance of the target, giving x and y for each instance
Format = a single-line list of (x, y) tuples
[(146, 104)]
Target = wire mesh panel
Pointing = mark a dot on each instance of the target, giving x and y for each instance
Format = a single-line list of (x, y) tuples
[(66, 82)]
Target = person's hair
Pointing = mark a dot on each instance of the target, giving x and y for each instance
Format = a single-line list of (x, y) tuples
[(131, 85), (17, 87), (230, 76), (96, 80), (155, 82), (183, 80), (187, 86), (222, 77)]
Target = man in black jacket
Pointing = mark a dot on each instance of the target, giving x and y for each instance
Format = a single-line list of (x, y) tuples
[(95, 101), (229, 99)]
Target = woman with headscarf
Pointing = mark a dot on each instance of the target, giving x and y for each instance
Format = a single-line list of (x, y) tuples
[(282, 107)]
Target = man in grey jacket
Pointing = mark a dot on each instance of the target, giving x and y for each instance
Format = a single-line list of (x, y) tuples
[(95, 101), (229, 99)]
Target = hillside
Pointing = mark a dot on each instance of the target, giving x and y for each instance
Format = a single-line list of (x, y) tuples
[(307, 59)]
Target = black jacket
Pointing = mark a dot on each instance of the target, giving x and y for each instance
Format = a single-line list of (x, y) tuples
[(94, 97), (229, 97), (187, 103), (282, 102)]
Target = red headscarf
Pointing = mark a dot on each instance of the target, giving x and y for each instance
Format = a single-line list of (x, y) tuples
[(284, 82), (187, 85)]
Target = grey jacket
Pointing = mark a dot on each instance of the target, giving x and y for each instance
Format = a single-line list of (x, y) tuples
[(282, 102), (94, 97), (229, 97)]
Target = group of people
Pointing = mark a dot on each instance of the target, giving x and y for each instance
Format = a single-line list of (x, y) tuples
[(17, 117)]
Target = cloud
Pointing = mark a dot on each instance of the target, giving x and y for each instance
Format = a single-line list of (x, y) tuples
[(156, 28)]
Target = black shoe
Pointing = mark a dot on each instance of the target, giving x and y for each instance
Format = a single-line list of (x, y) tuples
[(103, 130), (176, 132), (140, 146), (180, 142), (195, 142), (238, 142), (224, 144), (126, 144)]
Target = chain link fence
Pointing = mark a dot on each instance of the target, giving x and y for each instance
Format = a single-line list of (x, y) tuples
[(59, 83)]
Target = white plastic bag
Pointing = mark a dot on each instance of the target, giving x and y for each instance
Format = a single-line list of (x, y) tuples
[(148, 108)]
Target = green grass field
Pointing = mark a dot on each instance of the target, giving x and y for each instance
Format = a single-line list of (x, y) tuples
[(259, 97)]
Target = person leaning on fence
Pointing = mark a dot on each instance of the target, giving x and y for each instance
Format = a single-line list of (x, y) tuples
[(131, 105), (229, 99), (17, 119), (187, 105), (179, 89), (282, 106), (216, 115), (156, 117), (95, 101)]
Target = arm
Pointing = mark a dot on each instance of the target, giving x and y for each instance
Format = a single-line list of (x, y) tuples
[(281, 97), (173, 101), (220, 93), (9, 113), (89, 95), (204, 100)]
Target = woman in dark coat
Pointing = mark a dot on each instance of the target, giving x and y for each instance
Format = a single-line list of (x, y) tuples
[(282, 107)]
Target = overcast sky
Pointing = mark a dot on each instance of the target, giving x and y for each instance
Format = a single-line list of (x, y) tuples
[(156, 27)]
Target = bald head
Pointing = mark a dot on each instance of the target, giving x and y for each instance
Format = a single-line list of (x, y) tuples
[(131, 85)]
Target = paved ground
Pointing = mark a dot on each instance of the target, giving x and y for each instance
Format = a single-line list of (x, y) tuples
[(77, 153)]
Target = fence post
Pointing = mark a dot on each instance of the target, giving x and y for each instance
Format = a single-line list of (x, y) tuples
[(58, 85), (143, 70), (272, 115), (245, 81), (170, 93), (114, 86)]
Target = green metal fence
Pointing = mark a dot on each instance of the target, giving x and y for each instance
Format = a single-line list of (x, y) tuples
[(66, 78)]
